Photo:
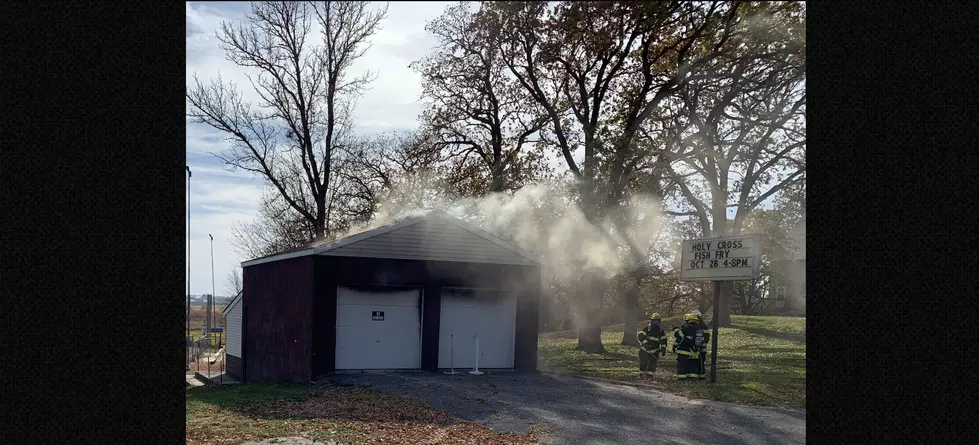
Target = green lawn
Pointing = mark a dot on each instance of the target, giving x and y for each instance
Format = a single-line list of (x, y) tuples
[(232, 414), (760, 361)]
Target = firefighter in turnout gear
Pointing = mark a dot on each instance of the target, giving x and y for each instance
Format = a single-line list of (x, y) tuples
[(689, 339), (703, 349), (652, 344)]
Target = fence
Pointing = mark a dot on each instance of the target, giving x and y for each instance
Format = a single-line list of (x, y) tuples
[(205, 354)]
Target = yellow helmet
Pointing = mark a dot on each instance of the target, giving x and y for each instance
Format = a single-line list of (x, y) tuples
[(655, 316), (691, 317)]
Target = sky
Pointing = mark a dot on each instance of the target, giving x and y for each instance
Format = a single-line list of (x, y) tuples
[(220, 198)]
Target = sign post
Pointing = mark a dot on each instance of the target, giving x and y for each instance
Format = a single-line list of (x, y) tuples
[(733, 258)]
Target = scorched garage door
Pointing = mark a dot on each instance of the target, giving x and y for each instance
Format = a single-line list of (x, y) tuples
[(489, 314), (378, 329)]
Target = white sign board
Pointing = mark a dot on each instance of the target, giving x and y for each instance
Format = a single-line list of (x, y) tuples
[(721, 259)]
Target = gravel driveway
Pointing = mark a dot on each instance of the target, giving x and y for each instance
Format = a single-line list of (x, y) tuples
[(579, 411)]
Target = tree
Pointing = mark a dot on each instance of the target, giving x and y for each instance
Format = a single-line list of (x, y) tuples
[(233, 284), (277, 228), (739, 134), (476, 112), (599, 70), (306, 97)]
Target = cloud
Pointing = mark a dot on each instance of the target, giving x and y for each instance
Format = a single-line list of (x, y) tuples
[(220, 198)]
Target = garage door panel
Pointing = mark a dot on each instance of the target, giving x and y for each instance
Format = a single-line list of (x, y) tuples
[(350, 315), (366, 342), (488, 314), (391, 297)]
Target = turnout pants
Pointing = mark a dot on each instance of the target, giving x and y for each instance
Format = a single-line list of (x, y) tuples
[(703, 365), (687, 367), (648, 361)]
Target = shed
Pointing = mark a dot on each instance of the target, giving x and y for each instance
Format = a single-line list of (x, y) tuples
[(232, 350), (413, 295)]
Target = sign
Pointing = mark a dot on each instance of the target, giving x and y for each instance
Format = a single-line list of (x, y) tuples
[(721, 259), (377, 315)]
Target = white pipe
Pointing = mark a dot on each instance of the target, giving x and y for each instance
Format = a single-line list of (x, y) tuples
[(452, 366), (475, 370)]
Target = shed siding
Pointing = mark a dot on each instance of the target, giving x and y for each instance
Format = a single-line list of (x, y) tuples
[(431, 240), (277, 304), (232, 323)]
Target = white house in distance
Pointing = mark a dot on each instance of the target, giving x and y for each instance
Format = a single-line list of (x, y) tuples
[(789, 286)]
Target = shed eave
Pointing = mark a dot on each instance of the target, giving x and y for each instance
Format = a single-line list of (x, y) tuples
[(279, 257)]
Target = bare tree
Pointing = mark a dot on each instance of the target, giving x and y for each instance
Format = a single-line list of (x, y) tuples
[(277, 228), (305, 97), (233, 284)]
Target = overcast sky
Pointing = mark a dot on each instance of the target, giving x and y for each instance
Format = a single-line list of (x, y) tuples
[(218, 197)]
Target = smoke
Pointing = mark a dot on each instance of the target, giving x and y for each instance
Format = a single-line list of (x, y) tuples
[(543, 218)]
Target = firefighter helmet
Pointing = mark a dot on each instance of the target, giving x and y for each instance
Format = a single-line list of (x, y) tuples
[(691, 317), (655, 316)]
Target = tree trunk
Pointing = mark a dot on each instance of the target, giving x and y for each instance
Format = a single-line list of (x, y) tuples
[(591, 295), (724, 306), (630, 309)]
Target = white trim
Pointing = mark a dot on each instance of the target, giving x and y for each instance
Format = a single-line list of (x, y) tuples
[(231, 304), (514, 262), (279, 257)]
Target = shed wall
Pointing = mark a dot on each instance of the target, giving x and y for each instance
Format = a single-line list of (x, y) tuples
[(277, 305), (232, 323)]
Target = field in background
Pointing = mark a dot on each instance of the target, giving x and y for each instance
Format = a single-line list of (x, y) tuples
[(197, 314), (761, 361), (233, 414)]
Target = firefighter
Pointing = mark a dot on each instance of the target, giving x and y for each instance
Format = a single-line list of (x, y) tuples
[(703, 348), (688, 339), (652, 344)]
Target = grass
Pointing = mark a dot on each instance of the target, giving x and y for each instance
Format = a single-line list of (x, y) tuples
[(232, 414), (760, 361)]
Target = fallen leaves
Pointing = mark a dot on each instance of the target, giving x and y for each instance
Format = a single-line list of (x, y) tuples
[(351, 416)]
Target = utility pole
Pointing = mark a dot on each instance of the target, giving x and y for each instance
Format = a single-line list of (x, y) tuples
[(189, 175), (714, 329), (210, 300)]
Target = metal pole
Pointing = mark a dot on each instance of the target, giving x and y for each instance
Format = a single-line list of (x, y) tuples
[(189, 176), (476, 370), (452, 360), (713, 337), (210, 303)]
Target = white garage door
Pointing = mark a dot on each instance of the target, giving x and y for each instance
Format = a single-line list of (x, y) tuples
[(491, 315), (378, 329)]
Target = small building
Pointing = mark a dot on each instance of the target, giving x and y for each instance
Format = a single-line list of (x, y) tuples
[(789, 282), (232, 349), (413, 295)]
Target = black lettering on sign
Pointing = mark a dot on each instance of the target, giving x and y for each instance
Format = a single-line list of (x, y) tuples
[(732, 244), (721, 253), (713, 263), (701, 255), (736, 262), (700, 247), (377, 315), (697, 264)]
